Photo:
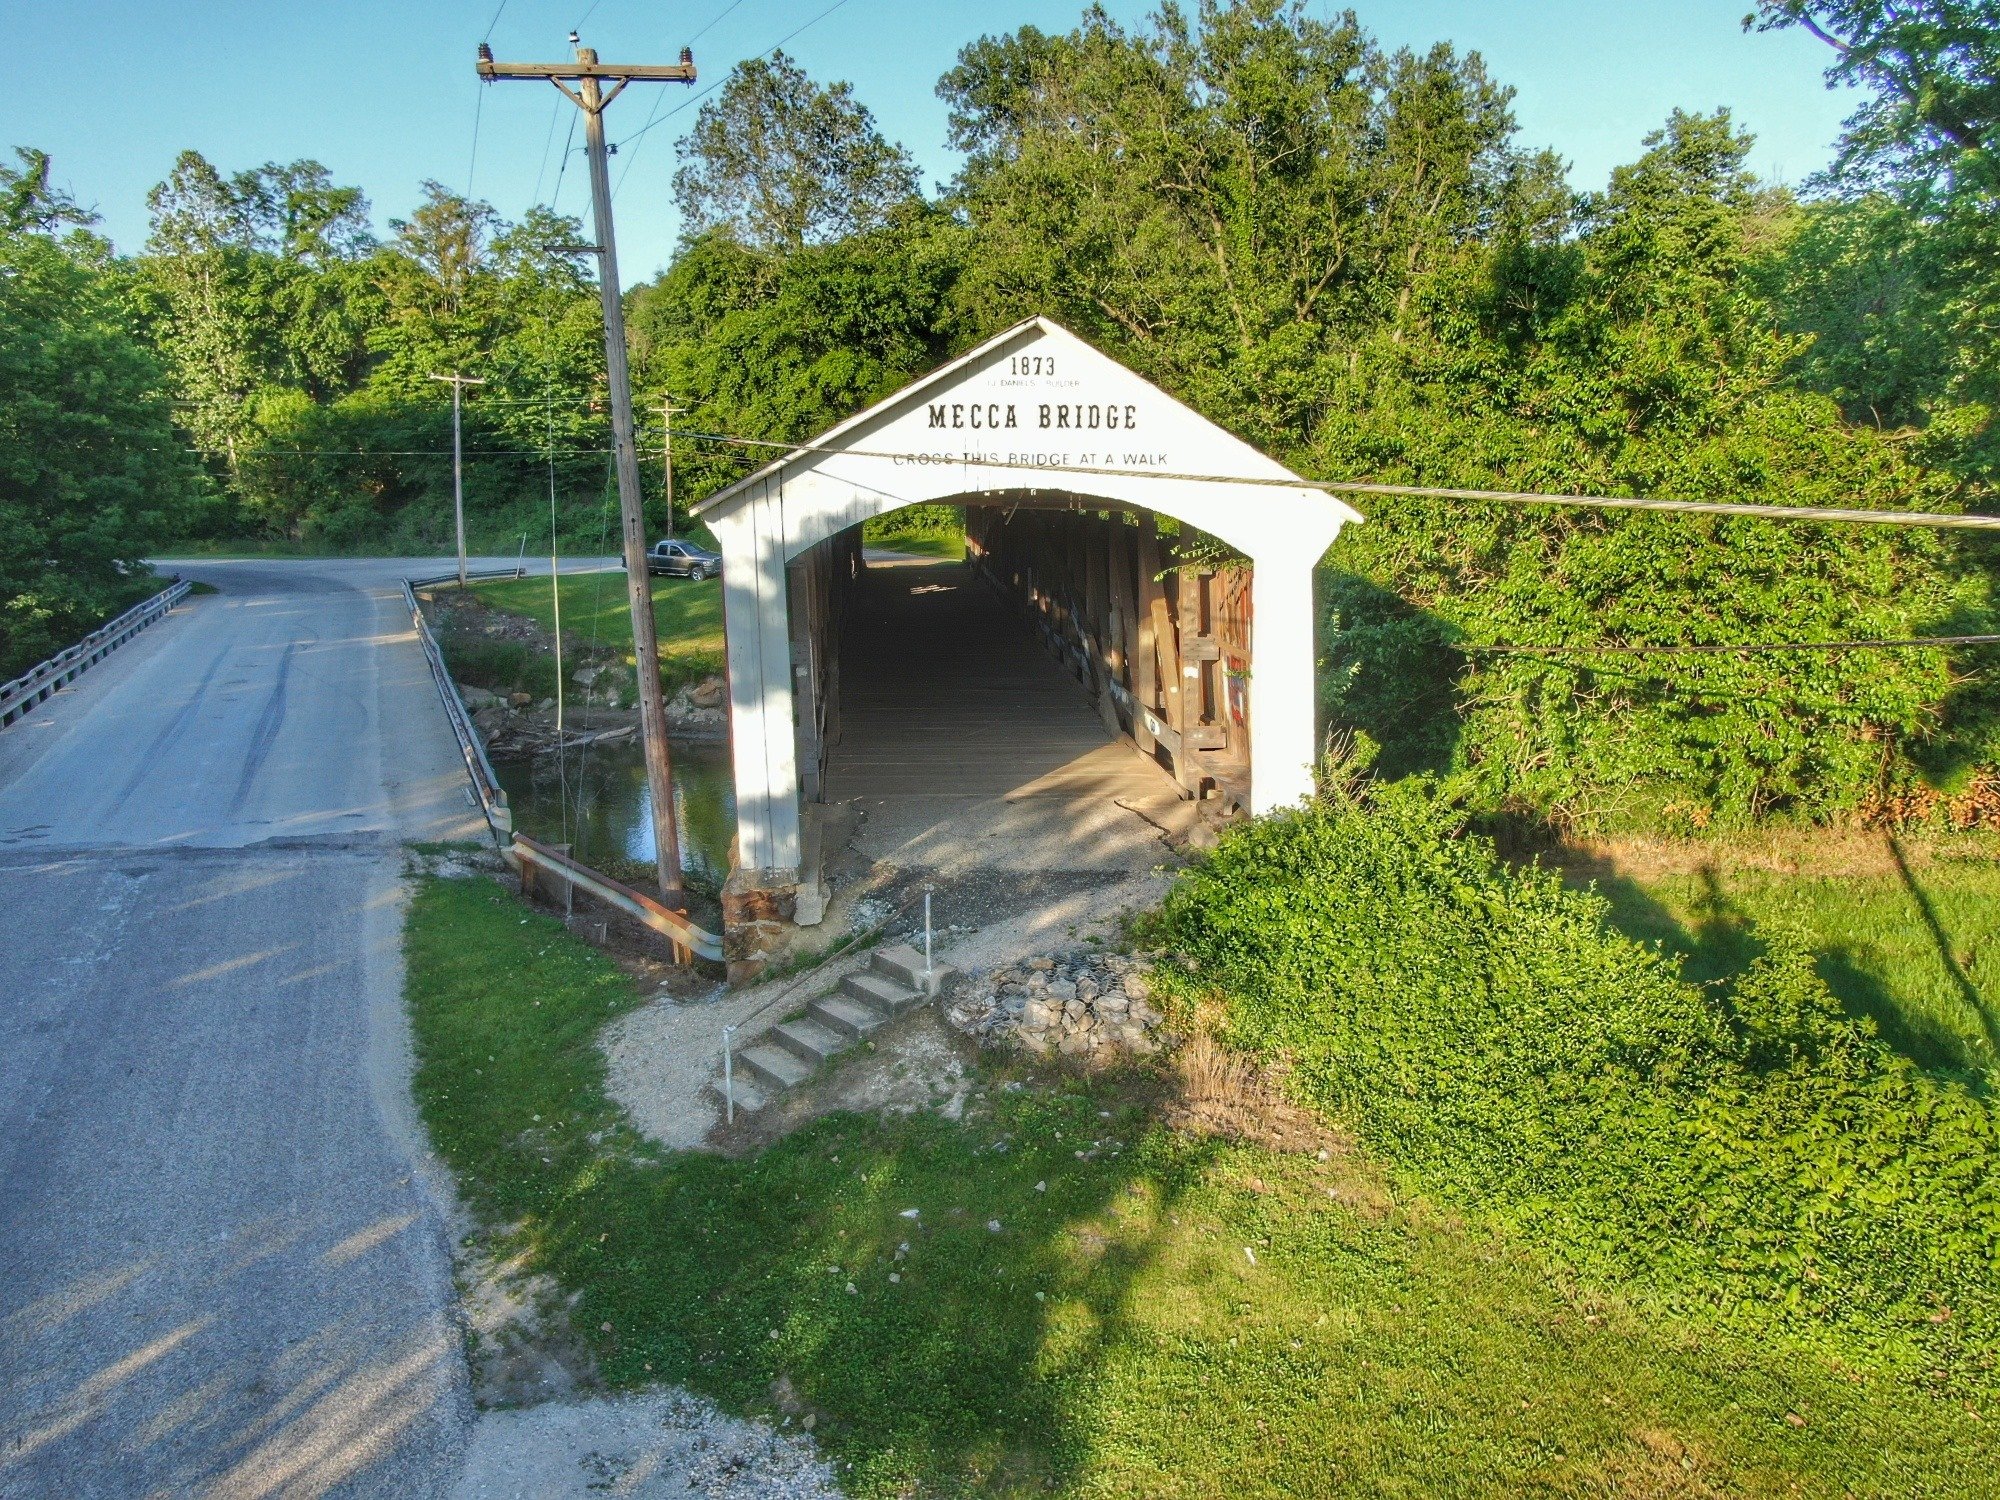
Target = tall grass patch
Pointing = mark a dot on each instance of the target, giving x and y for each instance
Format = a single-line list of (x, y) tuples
[(1746, 1148)]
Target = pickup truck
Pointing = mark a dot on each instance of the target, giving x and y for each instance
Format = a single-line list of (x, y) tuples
[(678, 559)]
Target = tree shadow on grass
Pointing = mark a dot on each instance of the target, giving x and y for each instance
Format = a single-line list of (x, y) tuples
[(1722, 938), (1978, 1004), (799, 1284)]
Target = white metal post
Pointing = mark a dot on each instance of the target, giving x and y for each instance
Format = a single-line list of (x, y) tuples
[(728, 1075)]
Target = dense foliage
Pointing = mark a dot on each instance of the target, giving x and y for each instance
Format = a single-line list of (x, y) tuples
[(1341, 252), (768, 347), (304, 350), (1750, 1149), (1343, 255), (92, 476)]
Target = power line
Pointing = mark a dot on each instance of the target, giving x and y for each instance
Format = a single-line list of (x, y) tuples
[(660, 99), (708, 25), (412, 452), (1927, 519), (472, 404), (1910, 643), (472, 167), (689, 103), (547, 142), (498, 11), (555, 198)]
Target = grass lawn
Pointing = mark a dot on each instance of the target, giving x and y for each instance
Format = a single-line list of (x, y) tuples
[(687, 615), (1155, 1314), (949, 546), (1905, 932)]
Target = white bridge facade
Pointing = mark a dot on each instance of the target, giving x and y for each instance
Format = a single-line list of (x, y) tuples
[(1067, 463)]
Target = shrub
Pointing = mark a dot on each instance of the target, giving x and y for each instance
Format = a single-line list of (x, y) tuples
[(1751, 1149), (500, 666), (916, 520)]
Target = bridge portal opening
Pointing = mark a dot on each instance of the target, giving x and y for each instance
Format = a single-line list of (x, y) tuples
[(1070, 653)]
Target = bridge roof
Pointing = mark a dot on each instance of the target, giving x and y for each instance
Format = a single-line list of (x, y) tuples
[(1050, 403)]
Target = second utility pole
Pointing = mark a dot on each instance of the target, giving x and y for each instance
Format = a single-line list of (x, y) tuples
[(667, 410), (589, 96), (457, 384)]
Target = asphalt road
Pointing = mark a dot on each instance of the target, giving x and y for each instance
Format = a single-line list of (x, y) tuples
[(224, 1258)]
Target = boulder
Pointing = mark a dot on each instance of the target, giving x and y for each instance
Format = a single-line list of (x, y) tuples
[(520, 700), (709, 694)]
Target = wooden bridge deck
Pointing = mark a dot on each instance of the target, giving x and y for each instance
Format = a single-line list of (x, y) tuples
[(945, 694)]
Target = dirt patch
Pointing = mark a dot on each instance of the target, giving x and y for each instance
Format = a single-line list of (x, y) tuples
[(1215, 1091), (914, 1062), (1821, 852), (521, 1344), (659, 1061), (454, 861), (651, 1447), (1654, 1465)]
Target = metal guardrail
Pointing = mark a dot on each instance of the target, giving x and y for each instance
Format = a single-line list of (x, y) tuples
[(527, 855), (485, 785), (535, 858), (39, 682)]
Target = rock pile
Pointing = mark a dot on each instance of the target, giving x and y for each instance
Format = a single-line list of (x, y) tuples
[(700, 710), (1079, 1004)]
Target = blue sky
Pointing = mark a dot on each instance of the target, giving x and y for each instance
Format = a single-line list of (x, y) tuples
[(383, 91)]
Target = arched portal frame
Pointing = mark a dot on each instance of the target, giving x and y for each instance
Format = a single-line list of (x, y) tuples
[(1035, 416)]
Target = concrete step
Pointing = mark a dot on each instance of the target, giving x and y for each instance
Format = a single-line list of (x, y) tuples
[(749, 1097), (773, 1065), (879, 991), (845, 1015), (904, 965), (808, 1041)]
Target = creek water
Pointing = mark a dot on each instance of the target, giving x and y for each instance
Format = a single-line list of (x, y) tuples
[(597, 801)]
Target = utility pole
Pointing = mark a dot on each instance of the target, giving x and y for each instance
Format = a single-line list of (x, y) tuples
[(666, 409), (589, 95), (457, 384)]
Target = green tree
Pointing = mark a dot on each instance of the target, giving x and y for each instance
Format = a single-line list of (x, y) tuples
[(1233, 199), (196, 291), (1659, 371), (781, 162), (778, 347), (92, 476), (1933, 69), (1927, 137), (29, 204)]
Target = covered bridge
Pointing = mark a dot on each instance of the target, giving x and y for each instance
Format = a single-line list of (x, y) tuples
[(1066, 463)]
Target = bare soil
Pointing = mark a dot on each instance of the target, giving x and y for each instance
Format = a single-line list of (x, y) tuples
[(1832, 852)]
